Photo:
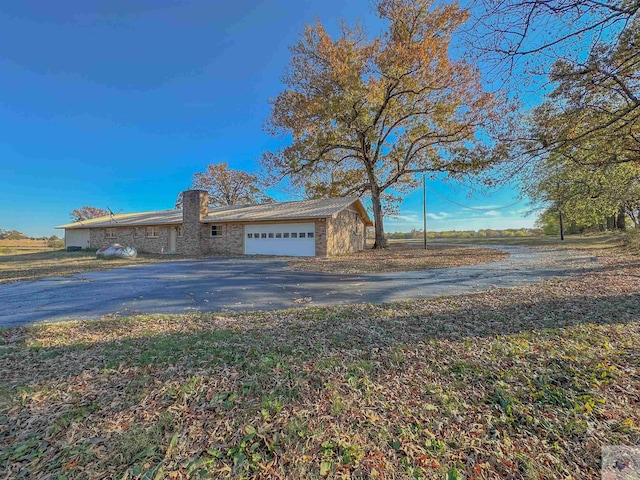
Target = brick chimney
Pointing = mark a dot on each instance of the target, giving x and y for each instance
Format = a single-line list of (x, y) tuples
[(195, 206)]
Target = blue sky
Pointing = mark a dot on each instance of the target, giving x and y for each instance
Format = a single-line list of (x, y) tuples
[(117, 103)]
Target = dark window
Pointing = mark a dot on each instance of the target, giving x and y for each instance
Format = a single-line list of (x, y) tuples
[(278, 235), (285, 235), (263, 235), (302, 235), (216, 230), (294, 235), (249, 235), (310, 235), (271, 235)]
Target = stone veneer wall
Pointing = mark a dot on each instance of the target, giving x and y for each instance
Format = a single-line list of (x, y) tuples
[(231, 242), (346, 233), (195, 206), (333, 236), (321, 237), (132, 236)]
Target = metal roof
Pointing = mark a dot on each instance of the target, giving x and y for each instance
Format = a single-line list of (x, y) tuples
[(162, 217), (305, 209)]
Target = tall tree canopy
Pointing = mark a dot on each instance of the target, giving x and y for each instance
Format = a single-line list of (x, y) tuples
[(589, 50), (85, 213), (227, 186), (366, 115), (583, 195), (528, 36)]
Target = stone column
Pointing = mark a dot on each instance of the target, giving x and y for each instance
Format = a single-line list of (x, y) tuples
[(195, 206)]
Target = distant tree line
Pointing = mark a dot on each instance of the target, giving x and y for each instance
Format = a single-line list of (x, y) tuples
[(416, 234), (53, 241)]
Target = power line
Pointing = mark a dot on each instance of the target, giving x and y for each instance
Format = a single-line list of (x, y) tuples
[(472, 208)]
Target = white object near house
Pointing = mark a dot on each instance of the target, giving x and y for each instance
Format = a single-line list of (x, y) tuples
[(118, 251)]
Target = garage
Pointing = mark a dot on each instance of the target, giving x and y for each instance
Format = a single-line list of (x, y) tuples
[(293, 239)]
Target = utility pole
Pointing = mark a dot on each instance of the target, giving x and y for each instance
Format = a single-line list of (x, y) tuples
[(424, 210)]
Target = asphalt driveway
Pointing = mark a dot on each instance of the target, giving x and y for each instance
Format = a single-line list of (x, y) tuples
[(219, 284)]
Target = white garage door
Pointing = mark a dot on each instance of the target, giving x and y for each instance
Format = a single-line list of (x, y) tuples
[(296, 239)]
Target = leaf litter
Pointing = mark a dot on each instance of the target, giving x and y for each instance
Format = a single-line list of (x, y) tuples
[(526, 382)]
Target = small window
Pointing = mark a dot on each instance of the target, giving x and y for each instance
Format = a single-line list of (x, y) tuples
[(270, 235), (285, 235), (294, 235), (302, 235), (110, 232), (249, 235), (278, 235), (153, 232), (180, 231), (216, 230), (310, 235), (263, 235)]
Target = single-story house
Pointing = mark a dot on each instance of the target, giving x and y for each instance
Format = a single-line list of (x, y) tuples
[(326, 227)]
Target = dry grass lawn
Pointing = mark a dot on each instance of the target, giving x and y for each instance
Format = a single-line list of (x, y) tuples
[(400, 256), (601, 241), (60, 263), (526, 383)]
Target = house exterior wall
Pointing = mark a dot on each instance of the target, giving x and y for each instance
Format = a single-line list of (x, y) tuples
[(321, 237), (339, 235), (345, 233), (132, 236), (231, 242)]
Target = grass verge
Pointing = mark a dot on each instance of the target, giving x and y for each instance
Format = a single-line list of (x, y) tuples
[(528, 382), (60, 263), (399, 257)]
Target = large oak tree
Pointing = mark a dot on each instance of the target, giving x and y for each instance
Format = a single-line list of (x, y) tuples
[(367, 115)]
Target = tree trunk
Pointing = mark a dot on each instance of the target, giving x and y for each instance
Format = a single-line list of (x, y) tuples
[(620, 221), (380, 241), (561, 226)]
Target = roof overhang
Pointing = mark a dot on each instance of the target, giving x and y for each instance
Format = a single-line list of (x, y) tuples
[(363, 213)]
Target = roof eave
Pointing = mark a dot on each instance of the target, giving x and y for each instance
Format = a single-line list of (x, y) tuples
[(258, 220)]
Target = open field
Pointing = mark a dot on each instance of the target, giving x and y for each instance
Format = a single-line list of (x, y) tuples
[(399, 257), (24, 250), (32, 266), (593, 241), (522, 383)]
